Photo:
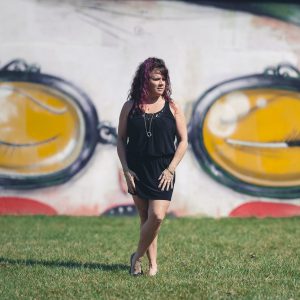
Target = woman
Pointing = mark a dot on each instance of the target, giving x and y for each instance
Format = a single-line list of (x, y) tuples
[(149, 125)]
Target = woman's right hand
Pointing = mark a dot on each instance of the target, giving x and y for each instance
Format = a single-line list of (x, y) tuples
[(130, 176)]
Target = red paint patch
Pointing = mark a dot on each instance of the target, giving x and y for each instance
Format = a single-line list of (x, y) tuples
[(262, 209), (24, 206)]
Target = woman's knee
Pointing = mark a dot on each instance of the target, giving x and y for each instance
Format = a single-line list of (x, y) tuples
[(157, 217), (157, 210)]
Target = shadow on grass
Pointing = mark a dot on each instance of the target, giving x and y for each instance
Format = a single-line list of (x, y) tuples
[(64, 264)]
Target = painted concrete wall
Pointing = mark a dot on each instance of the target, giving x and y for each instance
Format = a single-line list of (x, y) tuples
[(96, 46)]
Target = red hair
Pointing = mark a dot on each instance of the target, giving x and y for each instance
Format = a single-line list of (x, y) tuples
[(139, 88)]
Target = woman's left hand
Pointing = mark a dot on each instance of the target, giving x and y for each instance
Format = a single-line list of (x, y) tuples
[(166, 180)]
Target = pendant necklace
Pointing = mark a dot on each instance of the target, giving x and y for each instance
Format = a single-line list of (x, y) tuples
[(148, 131)]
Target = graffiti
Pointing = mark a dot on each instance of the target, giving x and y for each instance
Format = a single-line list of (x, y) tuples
[(238, 131), (58, 123), (264, 209), (24, 206), (127, 209), (49, 128), (64, 130), (288, 12), (242, 137)]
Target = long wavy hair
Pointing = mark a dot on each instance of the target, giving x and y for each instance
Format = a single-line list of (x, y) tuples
[(139, 91)]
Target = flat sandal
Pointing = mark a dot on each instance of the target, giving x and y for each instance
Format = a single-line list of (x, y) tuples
[(131, 270)]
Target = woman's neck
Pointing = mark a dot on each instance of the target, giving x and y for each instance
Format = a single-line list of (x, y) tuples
[(152, 100)]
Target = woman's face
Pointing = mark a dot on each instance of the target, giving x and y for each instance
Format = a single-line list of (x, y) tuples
[(157, 83)]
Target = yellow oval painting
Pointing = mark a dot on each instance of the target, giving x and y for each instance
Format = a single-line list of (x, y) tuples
[(254, 135), (41, 129)]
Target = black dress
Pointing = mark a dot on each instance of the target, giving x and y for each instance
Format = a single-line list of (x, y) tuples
[(149, 156)]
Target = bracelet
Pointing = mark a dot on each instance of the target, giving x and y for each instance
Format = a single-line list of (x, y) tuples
[(172, 173)]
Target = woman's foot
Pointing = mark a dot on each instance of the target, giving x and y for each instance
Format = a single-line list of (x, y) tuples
[(135, 266), (153, 270)]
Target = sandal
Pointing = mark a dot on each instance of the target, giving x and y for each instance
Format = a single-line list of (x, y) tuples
[(132, 271), (153, 274)]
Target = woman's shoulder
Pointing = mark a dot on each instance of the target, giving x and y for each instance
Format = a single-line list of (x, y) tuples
[(174, 107), (127, 106)]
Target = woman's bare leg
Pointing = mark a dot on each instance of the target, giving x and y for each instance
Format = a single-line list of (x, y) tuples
[(157, 210), (142, 207), (152, 256)]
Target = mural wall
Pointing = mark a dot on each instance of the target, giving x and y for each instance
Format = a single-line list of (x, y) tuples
[(65, 71)]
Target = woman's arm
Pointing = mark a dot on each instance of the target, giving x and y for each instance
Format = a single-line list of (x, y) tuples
[(122, 135), (121, 146), (166, 178), (181, 137)]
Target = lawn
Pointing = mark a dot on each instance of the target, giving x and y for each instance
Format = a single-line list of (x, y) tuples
[(199, 258)]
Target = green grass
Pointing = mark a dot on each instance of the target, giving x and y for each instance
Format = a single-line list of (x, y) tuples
[(88, 258)]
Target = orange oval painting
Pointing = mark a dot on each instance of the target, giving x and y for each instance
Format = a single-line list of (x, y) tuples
[(254, 135), (41, 129)]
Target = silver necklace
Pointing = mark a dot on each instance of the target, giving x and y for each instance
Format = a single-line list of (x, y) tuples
[(148, 131)]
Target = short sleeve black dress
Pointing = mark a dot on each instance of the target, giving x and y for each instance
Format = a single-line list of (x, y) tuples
[(149, 154)]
